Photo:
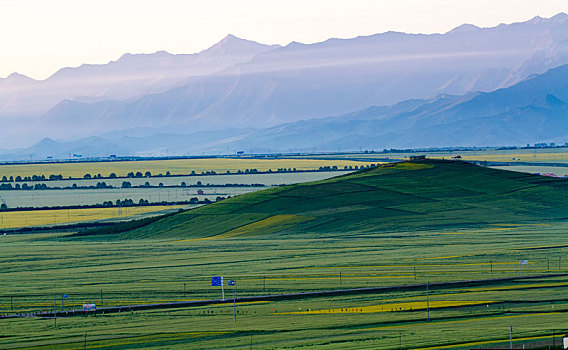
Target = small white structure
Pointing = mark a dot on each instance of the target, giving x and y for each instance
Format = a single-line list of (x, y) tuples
[(89, 307), (565, 342)]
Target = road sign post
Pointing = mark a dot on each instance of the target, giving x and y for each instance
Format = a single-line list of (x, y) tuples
[(217, 281), (234, 283), (521, 263)]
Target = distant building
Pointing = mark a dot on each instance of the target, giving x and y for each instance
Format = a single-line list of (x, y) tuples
[(200, 192), (458, 157), (240, 153), (565, 342)]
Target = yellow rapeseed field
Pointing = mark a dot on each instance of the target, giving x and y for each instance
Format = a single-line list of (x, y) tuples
[(414, 305), (174, 166), (16, 219)]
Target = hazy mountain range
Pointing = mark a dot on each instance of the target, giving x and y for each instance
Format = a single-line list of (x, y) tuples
[(470, 86)]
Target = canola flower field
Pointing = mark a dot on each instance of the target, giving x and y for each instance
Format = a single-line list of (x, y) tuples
[(53, 217)]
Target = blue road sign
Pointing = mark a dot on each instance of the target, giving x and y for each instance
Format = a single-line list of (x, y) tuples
[(216, 281), (232, 282), (64, 296)]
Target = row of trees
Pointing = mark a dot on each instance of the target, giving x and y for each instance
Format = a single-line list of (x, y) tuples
[(7, 187), (31, 178), (126, 203), (130, 203), (139, 174), (25, 186), (102, 184)]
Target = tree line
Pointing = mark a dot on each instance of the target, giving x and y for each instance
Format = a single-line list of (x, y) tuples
[(139, 174)]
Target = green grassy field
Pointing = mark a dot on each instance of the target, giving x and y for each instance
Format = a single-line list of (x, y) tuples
[(132, 272), (459, 223)]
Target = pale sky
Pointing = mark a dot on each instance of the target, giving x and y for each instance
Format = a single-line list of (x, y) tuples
[(38, 37)]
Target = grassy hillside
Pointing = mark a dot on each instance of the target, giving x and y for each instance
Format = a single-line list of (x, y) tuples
[(431, 194)]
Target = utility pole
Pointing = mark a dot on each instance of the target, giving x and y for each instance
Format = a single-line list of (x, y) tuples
[(235, 304), (340, 278), (428, 301), (264, 284), (491, 264), (511, 337), (415, 272), (55, 309), (11, 304)]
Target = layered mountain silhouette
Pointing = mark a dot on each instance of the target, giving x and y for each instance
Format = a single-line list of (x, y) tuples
[(533, 110), (131, 76), (443, 89)]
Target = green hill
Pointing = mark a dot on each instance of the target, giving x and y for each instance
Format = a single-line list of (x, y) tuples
[(407, 196)]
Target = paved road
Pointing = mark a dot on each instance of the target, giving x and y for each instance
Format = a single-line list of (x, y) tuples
[(275, 297)]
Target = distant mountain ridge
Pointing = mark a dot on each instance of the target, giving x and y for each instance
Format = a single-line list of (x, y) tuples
[(534, 110), (130, 76), (240, 84)]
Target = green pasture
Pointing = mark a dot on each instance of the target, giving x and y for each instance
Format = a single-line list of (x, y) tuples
[(35, 267), (393, 198), (412, 223)]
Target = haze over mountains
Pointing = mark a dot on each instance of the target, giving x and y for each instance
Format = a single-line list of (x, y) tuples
[(470, 86)]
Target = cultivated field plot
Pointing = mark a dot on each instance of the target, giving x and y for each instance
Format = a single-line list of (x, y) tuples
[(535, 155), (175, 167), (54, 198), (156, 194), (28, 218), (133, 272), (556, 170), (270, 179)]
